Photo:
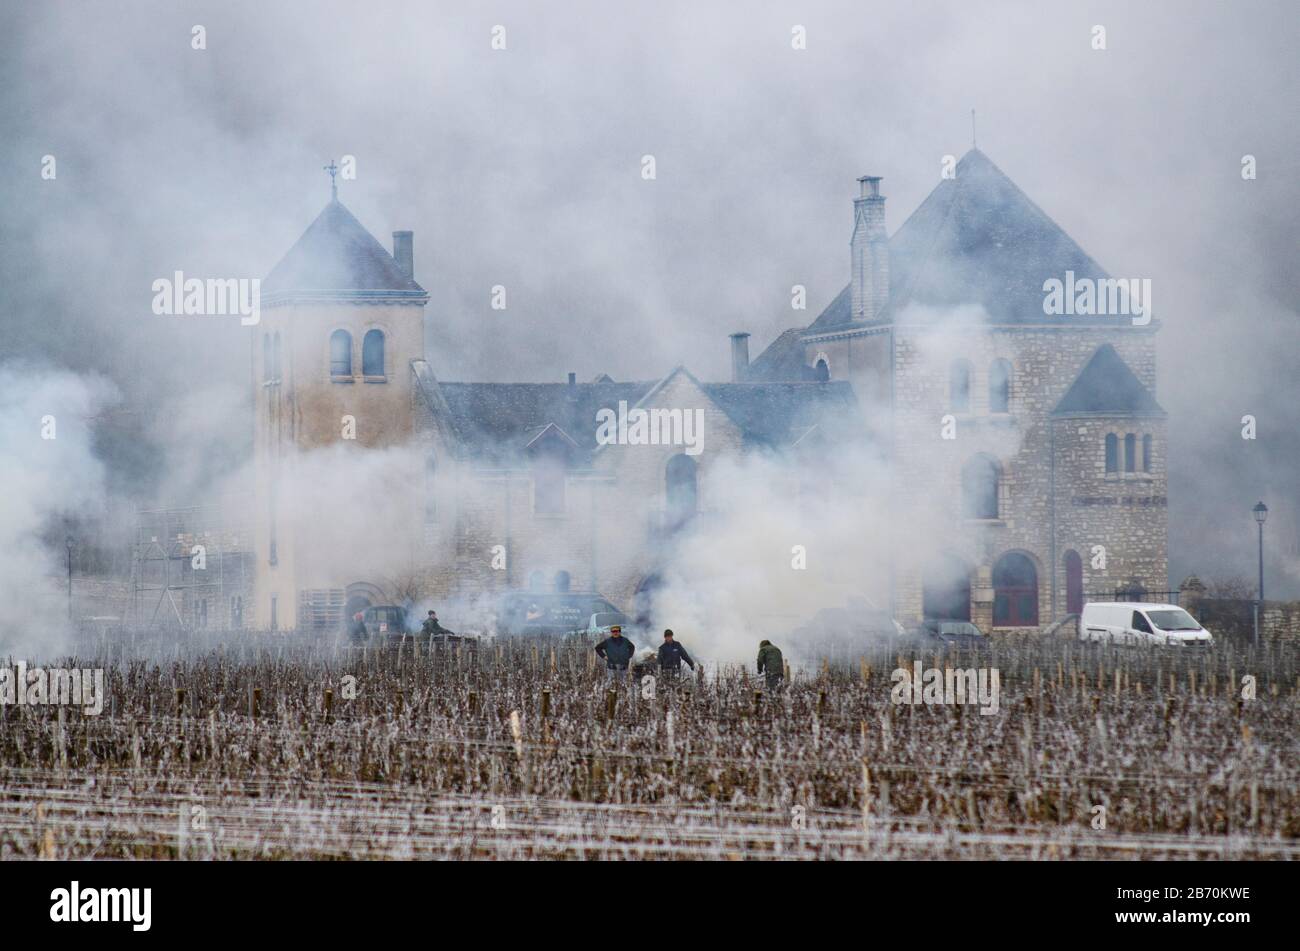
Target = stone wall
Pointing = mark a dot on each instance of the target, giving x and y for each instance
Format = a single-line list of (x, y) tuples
[(928, 468), (1234, 619)]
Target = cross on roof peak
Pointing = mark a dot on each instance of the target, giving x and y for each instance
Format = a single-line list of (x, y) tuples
[(334, 187)]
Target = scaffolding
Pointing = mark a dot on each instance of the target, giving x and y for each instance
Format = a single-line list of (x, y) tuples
[(190, 568)]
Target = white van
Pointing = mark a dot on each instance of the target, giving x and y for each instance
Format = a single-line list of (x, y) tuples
[(1131, 622)]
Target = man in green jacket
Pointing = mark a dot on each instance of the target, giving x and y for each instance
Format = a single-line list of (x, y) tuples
[(771, 663), (431, 625)]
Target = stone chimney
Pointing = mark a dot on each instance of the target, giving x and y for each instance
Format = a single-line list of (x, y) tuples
[(404, 252), (869, 251), (739, 356)]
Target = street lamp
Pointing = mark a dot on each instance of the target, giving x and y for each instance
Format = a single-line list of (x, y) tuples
[(1261, 513), (68, 542)]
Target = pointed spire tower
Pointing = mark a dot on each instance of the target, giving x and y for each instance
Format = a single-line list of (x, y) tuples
[(342, 319)]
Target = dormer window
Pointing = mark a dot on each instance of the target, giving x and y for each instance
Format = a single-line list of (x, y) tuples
[(550, 452), (548, 484)]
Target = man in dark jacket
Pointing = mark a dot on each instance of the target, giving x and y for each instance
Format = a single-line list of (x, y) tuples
[(771, 663), (617, 652), (431, 625), (357, 629), (672, 655)]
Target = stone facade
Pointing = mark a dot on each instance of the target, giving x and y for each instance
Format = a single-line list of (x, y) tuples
[(1012, 512), (964, 303), (1052, 471)]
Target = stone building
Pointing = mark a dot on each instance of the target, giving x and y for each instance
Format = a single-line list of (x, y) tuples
[(1027, 448), (500, 486)]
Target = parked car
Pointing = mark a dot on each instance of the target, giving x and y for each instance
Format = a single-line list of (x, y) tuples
[(553, 612), (602, 621), (384, 620), (1131, 622), (950, 633)]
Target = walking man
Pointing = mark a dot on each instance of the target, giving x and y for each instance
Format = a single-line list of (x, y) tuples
[(771, 663)]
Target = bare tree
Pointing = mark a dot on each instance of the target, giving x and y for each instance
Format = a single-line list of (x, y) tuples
[(408, 586)]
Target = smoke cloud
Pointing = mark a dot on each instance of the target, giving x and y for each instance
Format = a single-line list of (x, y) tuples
[(522, 167)]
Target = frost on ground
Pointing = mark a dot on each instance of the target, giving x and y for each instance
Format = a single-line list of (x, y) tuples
[(275, 747)]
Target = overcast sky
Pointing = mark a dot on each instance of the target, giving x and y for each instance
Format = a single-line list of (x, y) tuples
[(521, 167)]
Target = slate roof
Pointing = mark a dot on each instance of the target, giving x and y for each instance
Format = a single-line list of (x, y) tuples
[(782, 360), (336, 257), (779, 414), (1107, 387), (977, 239), (495, 422)]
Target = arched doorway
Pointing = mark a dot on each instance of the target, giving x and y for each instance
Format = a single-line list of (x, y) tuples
[(360, 595), (1015, 591), (945, 589), (1073, 582)]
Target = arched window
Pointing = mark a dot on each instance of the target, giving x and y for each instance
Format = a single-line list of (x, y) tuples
[(959, 387), (1146, 453), (372, 353), (979, 488), (562, 581), (535, 581), (1112, 453), (341, 353), (1130, 453), (1015, 592), (1073, 582), (822, 371), (681, 490), (1000, 387)]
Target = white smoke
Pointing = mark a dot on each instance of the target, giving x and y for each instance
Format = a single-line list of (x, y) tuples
[(51, 473)]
